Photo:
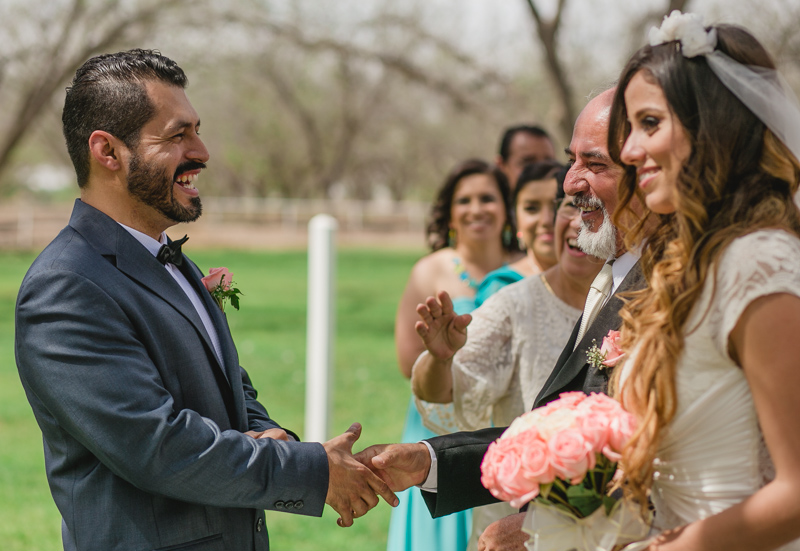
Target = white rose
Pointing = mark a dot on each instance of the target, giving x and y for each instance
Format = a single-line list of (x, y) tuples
[(522, 423), (696, 41), (558, 420), (689, 29), (656, 37), (671, 25)]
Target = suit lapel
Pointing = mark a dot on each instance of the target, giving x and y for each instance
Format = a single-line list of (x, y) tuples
[(572, 362), (130, 257), (230, 360), (227, 348)]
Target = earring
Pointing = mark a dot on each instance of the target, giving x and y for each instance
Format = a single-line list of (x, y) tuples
[(521, 242), (451, 238), (507, 236)]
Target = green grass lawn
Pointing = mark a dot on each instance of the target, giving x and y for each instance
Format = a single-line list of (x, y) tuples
[(270, 334)]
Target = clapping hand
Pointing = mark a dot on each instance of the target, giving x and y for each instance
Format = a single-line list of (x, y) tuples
[(441, 329), (399, 465), (353, 489)]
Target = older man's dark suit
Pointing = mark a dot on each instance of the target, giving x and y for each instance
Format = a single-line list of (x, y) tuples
[(459, 455), (142, 422)]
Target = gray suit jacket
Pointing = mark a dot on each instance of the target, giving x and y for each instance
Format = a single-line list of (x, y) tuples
[(142, 424), (459, 455)]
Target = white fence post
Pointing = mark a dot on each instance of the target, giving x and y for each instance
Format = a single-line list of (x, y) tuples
[(321, 325)]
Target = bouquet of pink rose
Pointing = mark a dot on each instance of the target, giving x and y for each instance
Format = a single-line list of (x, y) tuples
[(562, 457)]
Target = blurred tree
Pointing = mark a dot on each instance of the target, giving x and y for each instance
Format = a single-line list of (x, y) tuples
[(361, 99), (357, 112), (547, 33), (46, 43)]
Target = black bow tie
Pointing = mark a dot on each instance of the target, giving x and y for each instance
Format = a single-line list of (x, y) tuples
[(171, 252)]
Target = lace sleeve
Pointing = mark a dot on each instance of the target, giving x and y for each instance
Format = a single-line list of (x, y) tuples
[(759, 264), (438, 418), (481, 371)]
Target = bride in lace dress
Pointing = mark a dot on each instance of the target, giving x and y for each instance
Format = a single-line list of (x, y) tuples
[(714, 355)]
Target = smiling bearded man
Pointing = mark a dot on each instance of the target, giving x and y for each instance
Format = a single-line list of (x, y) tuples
[(153, 187), (153, 434)]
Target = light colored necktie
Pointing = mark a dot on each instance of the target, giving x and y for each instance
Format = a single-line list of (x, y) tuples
[(600, 289)]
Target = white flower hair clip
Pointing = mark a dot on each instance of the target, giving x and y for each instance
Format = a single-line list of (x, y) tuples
[(687, 28)]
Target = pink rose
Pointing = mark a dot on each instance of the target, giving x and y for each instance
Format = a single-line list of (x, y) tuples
[(621, 430), (502, 473), (535, 457), (572, 455), (217, 277), (611, 350), (600, 403), (568, 399), (595, 427)]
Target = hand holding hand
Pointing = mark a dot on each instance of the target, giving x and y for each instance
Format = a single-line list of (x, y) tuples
[(441, 329), (504, 535), (275, 434), (399, 465), (353, 489)]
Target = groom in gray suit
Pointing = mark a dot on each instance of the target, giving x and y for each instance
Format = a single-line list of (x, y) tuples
[(454, 483), (153, 435)]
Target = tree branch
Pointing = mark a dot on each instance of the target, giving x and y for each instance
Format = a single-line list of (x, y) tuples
[(548, 33), (61, 63)]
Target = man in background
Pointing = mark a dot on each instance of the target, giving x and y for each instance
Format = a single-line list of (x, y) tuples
[(522, 145)]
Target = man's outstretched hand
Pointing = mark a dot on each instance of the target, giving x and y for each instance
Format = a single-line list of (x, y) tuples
[(399, 465), (353, 489)]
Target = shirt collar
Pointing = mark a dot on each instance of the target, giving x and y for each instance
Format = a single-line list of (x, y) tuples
[(622, 265), (148, 242)]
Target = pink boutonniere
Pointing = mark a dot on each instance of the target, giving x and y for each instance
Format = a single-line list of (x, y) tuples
[(609, 354), (219, 283)]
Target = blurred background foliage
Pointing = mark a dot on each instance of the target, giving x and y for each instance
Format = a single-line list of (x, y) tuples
[(322, 99)]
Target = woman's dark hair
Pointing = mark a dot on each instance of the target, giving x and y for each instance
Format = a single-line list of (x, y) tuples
[(534, 172), (108, 93), (439, 225)]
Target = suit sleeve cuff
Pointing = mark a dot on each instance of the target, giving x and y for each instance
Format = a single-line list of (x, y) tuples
[(431, 483)]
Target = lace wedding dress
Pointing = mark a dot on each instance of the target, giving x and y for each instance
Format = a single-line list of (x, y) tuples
[(513, 342), (713, 454)]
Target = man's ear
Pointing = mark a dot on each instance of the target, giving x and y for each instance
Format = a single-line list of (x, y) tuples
[(106, 150)]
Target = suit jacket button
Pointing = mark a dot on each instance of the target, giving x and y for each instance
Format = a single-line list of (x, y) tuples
[(259, 524), (279, 504), (298, 504), (289, 505)]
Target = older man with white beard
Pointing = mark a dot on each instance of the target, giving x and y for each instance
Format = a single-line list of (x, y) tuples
[(447, 468)]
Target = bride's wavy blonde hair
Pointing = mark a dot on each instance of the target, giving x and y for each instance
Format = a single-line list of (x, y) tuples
[(738, 178)]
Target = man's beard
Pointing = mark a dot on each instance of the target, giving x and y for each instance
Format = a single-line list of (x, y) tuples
[(153, 187), (603, 242)]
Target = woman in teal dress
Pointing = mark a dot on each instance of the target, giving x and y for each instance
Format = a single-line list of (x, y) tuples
[(470, 235)]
